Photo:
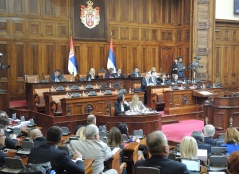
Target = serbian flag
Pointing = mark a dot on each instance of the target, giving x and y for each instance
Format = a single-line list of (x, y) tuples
[(72, 62), (111, 63)]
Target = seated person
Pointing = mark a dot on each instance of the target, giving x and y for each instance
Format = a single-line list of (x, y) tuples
[(175, 79), (60, 160), (145, 82), (37, 137), (209, 131), (198, 136), (115, 140), (231, 139), (189, 149), (136, 105), (110, 73), (136, 73), (157, 144), (162, 79), (91, 119), (118, 74), (11, 139), (56, 77), (233, 163), (2, 142), (91, 74), (153, 78), (93, 148), (121, 106)]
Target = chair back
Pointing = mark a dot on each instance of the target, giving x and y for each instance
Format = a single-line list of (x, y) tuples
[(148, 170), (103, 128), (32, 78), (68, 77)]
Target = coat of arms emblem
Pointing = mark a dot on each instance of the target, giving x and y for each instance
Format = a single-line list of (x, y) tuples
[(90, 16)]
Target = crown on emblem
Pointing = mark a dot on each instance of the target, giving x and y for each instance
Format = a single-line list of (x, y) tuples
[(89, 3)]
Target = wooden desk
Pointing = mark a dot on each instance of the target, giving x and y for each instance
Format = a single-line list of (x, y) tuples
[(123, 83), (114, 162), (148, 123), (183, 101), (94, 104), (48, 96), (131, 152)]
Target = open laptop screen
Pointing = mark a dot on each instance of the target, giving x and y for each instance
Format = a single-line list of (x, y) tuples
[(192, 165)]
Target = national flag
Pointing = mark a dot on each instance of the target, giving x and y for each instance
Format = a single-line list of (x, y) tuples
[(72, 62), (111, 63)]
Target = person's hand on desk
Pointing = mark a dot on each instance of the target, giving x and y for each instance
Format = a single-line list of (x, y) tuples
[(77, 156)]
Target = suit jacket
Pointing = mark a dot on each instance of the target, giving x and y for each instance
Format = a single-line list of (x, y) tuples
[(205, 146), (210, 140), (97, 150), (59, 159), (153, 80), (134, 74), (109, 76), (52, 78), (2, 160), (144, 84), (118, 108), (167, 166), (9, 142), (39, 140), (118, 75)]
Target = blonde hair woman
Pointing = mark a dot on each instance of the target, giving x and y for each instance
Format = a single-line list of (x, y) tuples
[(189, 149), (232, 140), (81, 133), (136, 105), (91, 74)]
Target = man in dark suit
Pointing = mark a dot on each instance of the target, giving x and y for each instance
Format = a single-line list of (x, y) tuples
[(56, 77), (157, 144), (199, 137), (209, 131), (118, 74), (136, 73), (37, 137), (60, 160)]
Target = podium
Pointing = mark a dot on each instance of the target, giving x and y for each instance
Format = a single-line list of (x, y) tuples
[(202, 95)]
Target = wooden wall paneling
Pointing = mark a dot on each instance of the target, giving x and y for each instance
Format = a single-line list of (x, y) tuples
[(63, 30), (224, 63), (166, 59), (135, 11), (124, 33), (5, 50), (155, 12), (144, 34), (62, 8), (186, 11), (144, 9), (100, 56), (135, 60), (154, 35), (4, 6), (146, 61), (124, 9), (48, 7), (113, 10), (49, 29), (18, 27), (134, 34), (154, 52), (17, 6), (63, 55), (233, 62), (4, 27), (124, 56), (179, 14), (33, 7), (34, 28), (49, 57), (216, 67)]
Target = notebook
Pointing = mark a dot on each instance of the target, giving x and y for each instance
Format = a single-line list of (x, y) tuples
[(192, 164), (25, 148)]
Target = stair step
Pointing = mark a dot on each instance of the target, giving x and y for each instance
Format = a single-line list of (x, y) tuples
[(169, 121)]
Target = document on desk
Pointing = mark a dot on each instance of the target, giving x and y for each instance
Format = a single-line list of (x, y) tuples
[(205, 93), (115, 150)]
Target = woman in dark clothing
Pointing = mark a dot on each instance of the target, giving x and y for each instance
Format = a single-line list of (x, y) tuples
[(175, 67)]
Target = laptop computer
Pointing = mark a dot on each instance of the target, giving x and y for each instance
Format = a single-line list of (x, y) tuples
[(25, 148), (138, 134), (217, 163), (193, 165), (32, 123), (13, 165)]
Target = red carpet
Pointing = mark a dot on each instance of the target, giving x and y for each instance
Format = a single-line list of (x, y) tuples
[(175, 132), (16, 103)]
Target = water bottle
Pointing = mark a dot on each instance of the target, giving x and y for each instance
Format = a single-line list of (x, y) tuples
[(71, 79), (129, 90), (35, 81), (110, 85)]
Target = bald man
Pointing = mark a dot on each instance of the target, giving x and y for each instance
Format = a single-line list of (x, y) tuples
[(37, 137)]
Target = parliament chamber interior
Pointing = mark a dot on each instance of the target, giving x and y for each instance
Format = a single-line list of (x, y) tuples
[(61, 61)]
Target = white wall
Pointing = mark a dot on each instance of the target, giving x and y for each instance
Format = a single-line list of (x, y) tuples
[(225, 10)]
